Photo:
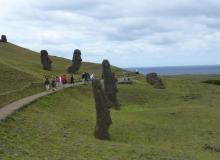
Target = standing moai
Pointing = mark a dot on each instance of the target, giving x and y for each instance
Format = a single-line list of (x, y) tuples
[(110, 84), (45, 60), (76, 62), (4, 39), (103, 117)]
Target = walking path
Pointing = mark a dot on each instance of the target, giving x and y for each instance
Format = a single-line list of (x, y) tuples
[(9, 109), (12, 107)]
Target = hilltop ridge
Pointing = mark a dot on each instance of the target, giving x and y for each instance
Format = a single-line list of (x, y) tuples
[(22, 74)]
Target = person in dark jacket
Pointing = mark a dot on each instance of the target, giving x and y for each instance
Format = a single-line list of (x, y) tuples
[(47, 84), (71, 79), (53, 83)]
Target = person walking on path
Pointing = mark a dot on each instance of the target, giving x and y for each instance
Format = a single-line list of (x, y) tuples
[(92, 76), (53, 83), (60, 81), (64, 78), (71, 79), (47, 84), (57, 81), (83, 77), (87, 77)]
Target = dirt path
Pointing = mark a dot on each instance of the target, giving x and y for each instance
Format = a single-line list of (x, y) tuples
[(12, 107)]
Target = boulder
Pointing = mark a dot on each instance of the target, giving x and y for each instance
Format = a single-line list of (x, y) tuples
[(110, 84), (103, 117), (154, 80), (45, 60), (76, 62)]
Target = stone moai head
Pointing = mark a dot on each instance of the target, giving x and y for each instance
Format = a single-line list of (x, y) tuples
[(103, 117), (76, 62), (110, 83), (106, 68), (45, 60), (153, 79), (4, 39)]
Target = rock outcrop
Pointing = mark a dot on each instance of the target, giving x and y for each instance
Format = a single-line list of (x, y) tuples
[(76, 62), (103, 117), (110, 84), (154, 80), (45, 60), (3, 39)]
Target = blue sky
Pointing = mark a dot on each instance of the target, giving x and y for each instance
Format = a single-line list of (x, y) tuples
[(130, 33)]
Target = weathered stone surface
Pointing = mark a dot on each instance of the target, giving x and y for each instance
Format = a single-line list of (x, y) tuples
[(110, 84), (103, 117), (3, 39), (76, 62), (45, 60), (154, 80)]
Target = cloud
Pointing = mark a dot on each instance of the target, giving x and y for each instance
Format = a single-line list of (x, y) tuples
[(127, 32)]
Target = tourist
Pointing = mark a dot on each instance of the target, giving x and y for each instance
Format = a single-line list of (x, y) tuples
[(47, 84), (86, 77), (83, 77), (71, 79), (57, 81), (53, 83), (60, 81), (64, 79), (92, 76)]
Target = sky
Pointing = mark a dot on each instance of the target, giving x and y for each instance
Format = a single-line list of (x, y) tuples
[(129, 33)]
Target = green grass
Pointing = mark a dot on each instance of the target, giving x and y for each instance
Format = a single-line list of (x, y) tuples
[(18, 94), (12, 79), (29, 62), (216, 82), (153, 124), (19, 67)]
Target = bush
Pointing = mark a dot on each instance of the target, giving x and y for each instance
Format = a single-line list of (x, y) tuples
[(215, 82)]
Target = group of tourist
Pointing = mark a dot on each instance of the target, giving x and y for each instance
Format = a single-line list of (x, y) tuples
[(57, 81), (86, 77)]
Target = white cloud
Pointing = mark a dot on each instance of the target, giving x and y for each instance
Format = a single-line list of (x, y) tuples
[(127, 32)]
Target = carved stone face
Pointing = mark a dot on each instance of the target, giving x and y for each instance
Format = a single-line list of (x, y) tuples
[(106, 63), (106, 67), (4, 38), (110, 83), (45, 60), (77, 56), (76, 62)]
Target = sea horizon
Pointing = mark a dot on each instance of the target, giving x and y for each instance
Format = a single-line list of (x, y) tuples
[(179, 70)]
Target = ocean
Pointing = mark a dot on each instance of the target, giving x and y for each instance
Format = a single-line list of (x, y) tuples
[(179, 70)]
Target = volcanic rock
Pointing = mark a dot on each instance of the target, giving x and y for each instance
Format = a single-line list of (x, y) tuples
[(45, 60), (103, 117), (154, 80)]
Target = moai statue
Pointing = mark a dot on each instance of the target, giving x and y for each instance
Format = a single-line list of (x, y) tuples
[(76, 62), (4, 39), (45, 60), (103, 117), (154, 80), (110, 84)]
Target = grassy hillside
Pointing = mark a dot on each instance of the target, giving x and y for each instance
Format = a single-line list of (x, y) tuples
[(170, 124), (20, 67), (29, 62)]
